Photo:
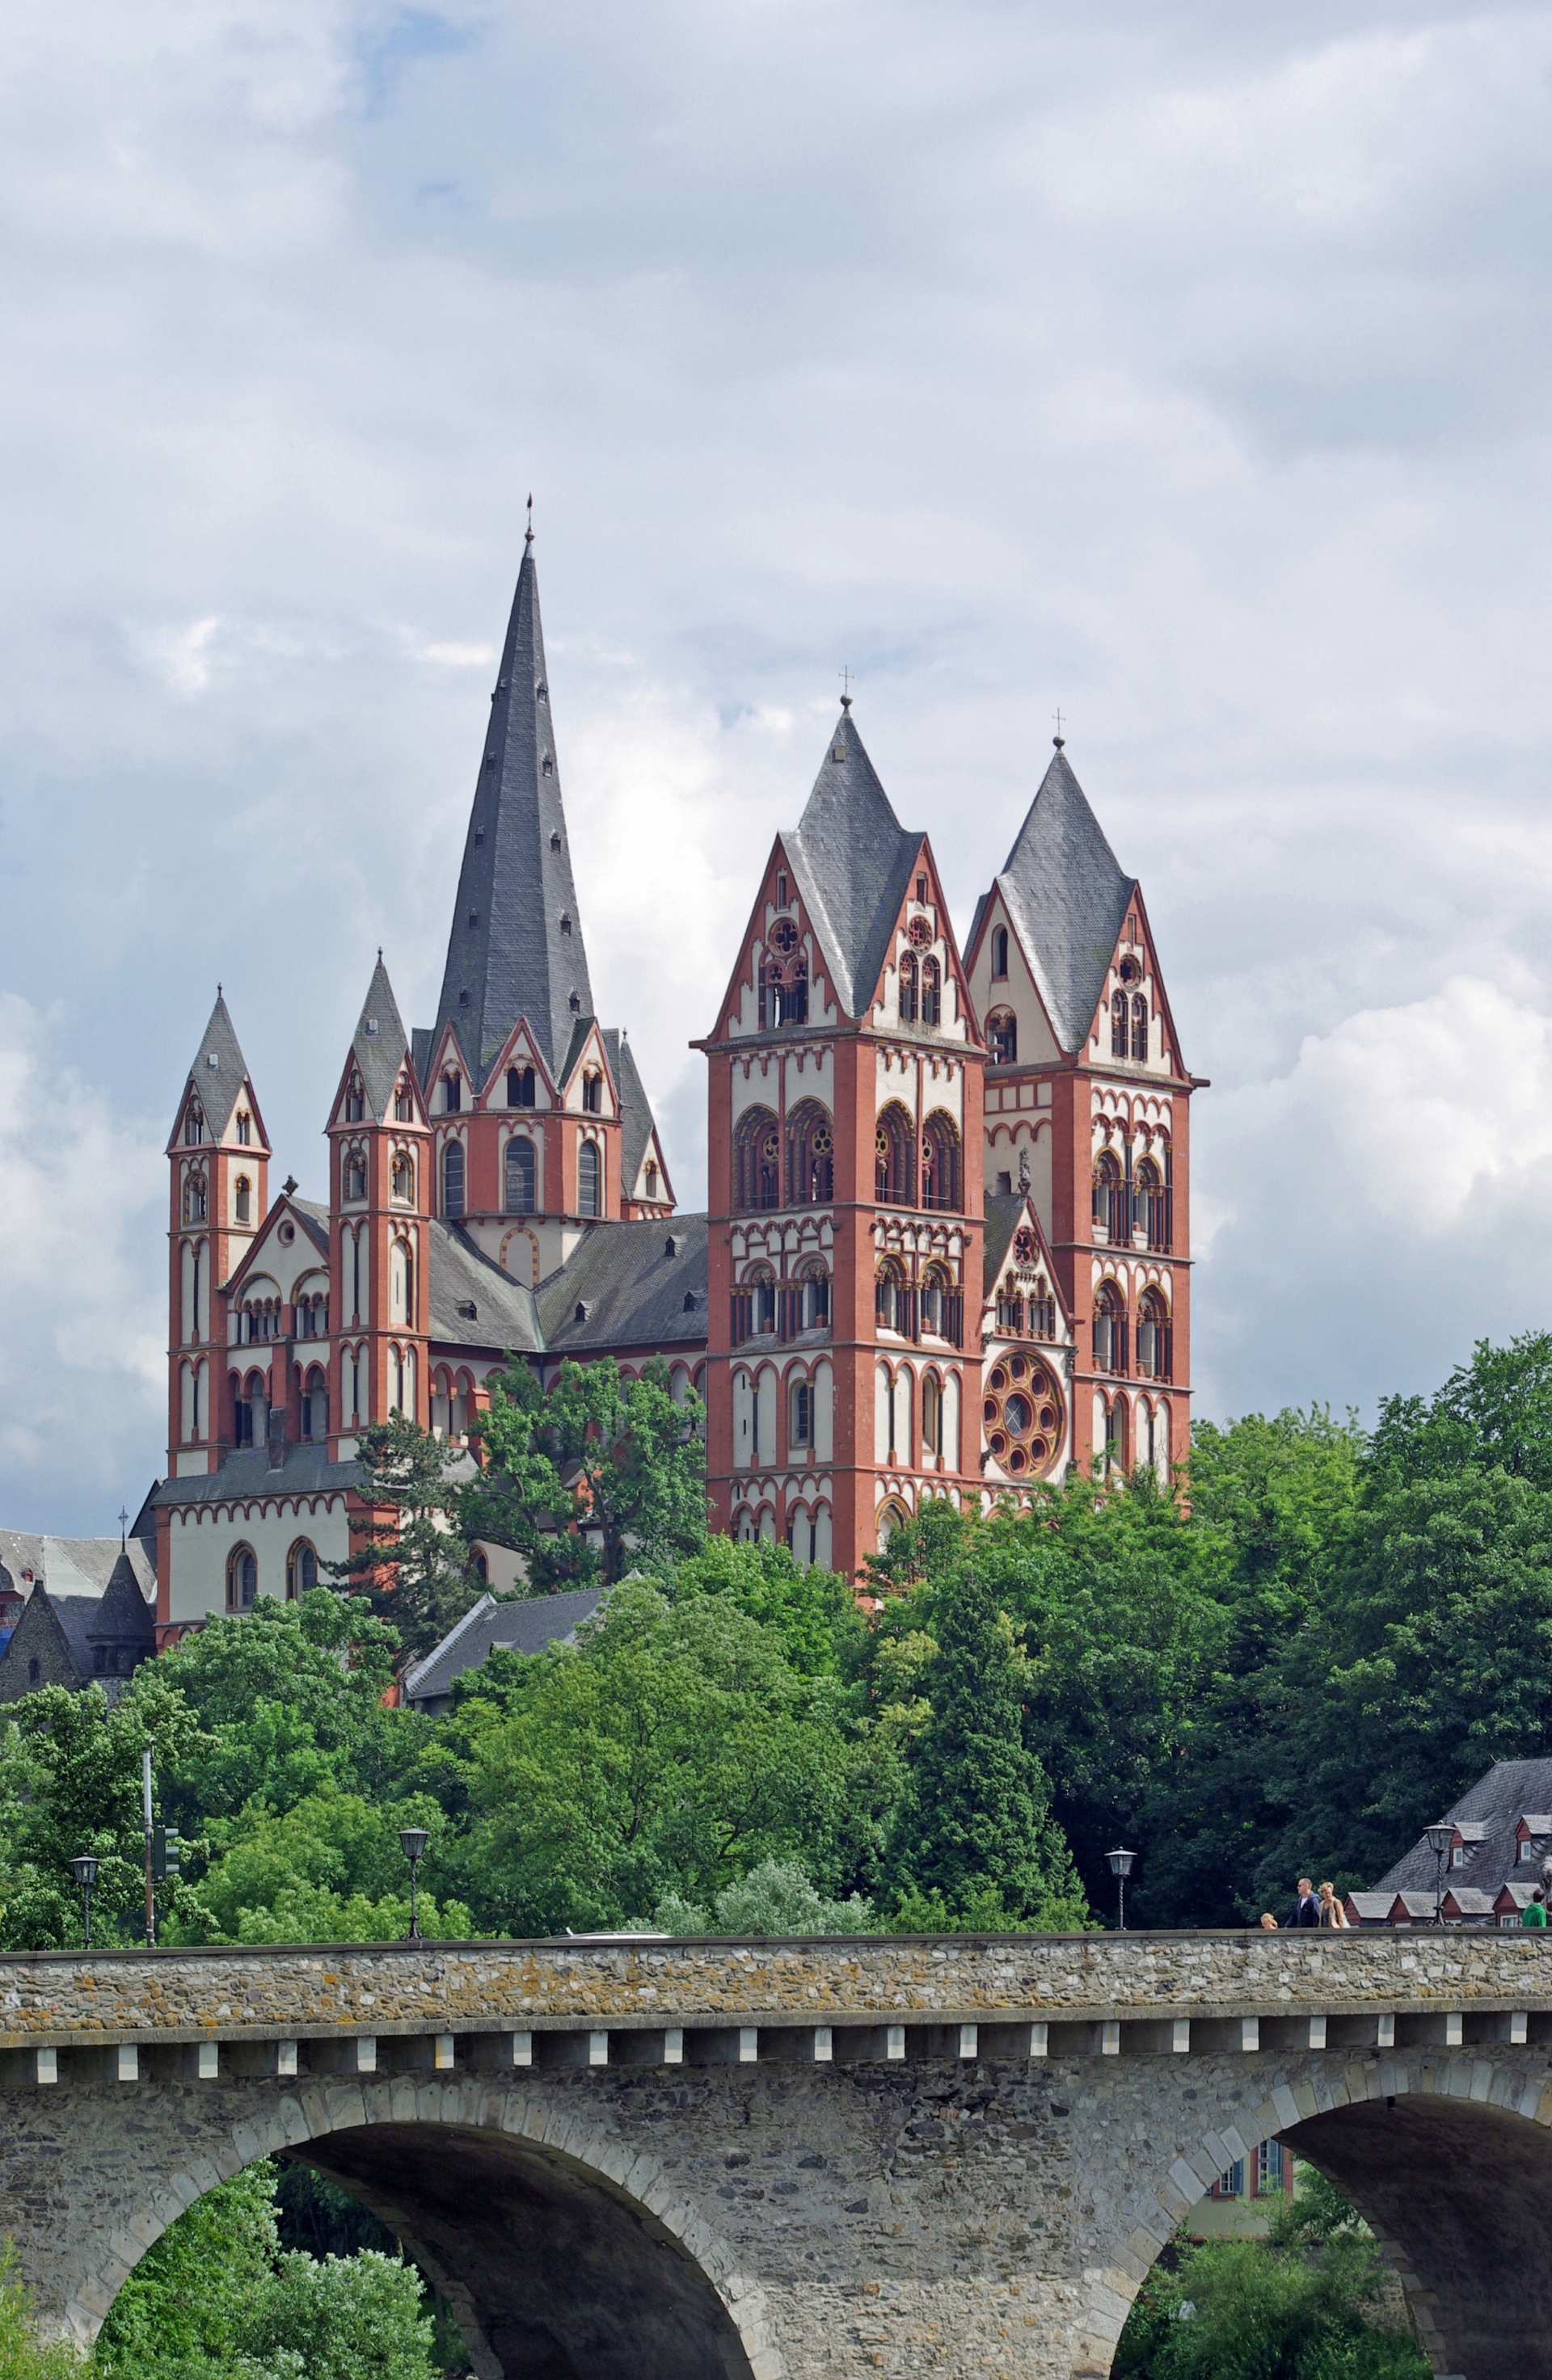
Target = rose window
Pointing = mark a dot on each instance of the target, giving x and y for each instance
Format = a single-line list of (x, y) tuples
[(920, 932), (1023, 1417), (783, 935)]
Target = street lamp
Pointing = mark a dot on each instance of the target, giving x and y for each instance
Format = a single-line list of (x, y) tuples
[(1120, 1869), (1440, 1835), (85, 1873), (412, 1842)]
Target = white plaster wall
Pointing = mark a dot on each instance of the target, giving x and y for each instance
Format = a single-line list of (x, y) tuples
[(762, 1088), (198, 1546), (809, 1077), (896, 1082), (881, 1415), (952, 1402), (767, 1389), (1036, 1041), (823, 1413)]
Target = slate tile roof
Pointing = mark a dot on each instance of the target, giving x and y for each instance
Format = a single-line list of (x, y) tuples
[(635, 1109), (524, 1626), (629, 1285), (1067, 894), (852, 859), (218, 1085), (1485, 1818), (473, 1303), (379, 1047), (77, 1565)]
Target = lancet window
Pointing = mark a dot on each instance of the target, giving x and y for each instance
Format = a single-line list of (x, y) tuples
[(811, 1159)]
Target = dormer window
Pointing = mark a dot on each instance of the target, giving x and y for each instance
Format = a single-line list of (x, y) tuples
[(452, 1094), (565, 925), (999, 953), (555, 840)]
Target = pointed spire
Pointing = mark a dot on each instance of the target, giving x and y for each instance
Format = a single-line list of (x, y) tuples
[(516, 947), (1066, 894), (852, 859), (218, 1071), (379, 1044)]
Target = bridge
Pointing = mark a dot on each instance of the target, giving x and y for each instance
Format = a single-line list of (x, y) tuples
[(637, 2159)]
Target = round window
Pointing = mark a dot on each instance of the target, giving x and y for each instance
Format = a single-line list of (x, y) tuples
[(1017, 1415), (1037, 1450), (999, 1378), (1131, 971), (287, 1234), (920, 932), (998, 1444), (1016, 1461), (1047, 1417), (990, 1409), (1017, 1367)]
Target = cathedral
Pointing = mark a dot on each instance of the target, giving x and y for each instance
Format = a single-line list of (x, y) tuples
[(945, 1250)]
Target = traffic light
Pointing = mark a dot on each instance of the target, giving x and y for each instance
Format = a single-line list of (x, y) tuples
[(166, 1855)]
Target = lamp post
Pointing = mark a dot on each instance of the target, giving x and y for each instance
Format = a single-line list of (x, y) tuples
[(412, 1842), (84, 1870), (1440, 1835), (1120, 1869)]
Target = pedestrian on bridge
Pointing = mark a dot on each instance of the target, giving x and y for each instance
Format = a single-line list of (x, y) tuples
[(1306, 1909), (1331, 1910), (1534, 1911)]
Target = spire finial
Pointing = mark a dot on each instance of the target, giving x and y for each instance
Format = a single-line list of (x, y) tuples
[(528, 536), (379, 953), (845, 676), (218, 991), (123, 1528), (1059, 739)]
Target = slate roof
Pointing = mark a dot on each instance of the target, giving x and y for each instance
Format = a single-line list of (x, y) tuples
[(1067, 894), (378, 1047), (1510, 1790), (1003, 1213), (852, 860), (507, 949), (218, 1085), (78, 1565), (314, 1221), (245, 1471), (121, 1615), (462, 1276), (525, 1626), (632, 1289), (636, 1123)]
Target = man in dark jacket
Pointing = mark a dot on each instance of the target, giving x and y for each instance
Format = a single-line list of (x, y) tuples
[(1306, 1909)]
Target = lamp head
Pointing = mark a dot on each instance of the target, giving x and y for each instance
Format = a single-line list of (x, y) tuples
[(413, 1842), (1441, 1834), (1121, 1862), (84, 1871)]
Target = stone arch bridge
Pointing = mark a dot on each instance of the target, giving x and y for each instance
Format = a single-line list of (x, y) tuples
[(777, 2160)]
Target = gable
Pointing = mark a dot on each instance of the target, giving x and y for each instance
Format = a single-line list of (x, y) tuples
[(288, 1244), (920, 955), (1132, 978), (1004, 986), (520, 1050), (1016, 1259), (783, 954)]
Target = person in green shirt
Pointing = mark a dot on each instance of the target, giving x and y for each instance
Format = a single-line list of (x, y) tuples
[(1534, 1911)]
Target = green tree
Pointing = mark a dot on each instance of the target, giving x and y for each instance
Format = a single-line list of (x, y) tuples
[(1493, 1412), (411, 1558), (23, 2355), (813, 1611), (775, 1897), (619, 1459), (973, 1837)]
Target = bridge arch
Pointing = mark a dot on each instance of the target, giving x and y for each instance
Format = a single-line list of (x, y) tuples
[(563, 2252), (1447, 2158)]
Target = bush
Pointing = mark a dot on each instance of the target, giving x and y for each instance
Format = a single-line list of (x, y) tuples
[(775, 1897)]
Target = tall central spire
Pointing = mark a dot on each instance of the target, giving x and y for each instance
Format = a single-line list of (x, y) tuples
[(516, 948)]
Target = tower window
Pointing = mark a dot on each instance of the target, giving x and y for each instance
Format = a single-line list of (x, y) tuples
[(590, 1178), (1118, 1038), (523, 1175), (452, 1094), (1002, 1039), (921, 888), (593, 1094), (404, 1175), (244, 1199), (194, 1198), (799, 1431), (193, 1126), (245, 1130), (781, 892), (355, 1107), (757, 1161), (519, 1087), (999, 953), (1140, 1027), (908, 989), (932, 992), (452, 1178), (404, 1105), (242, 1578)]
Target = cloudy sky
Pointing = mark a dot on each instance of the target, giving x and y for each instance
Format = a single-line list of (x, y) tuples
[(1181, 364)]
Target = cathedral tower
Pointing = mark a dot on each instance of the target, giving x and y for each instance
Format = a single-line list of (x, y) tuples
[(1087, 1104), (219, 1196), (844, 1192), (540, 1121), (380, 1169)]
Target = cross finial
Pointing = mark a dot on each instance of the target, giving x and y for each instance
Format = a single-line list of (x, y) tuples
[(123, 1528), (528, 539), (845, 676), (1059, 739)]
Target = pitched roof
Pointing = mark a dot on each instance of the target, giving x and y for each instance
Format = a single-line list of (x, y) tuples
[(523, 1626), (631, 1290), (636, 1122), (1067, 894), (852, 859), (1004, 1210), (463, 1278), (219, 1069), (122, 1615), (80, 1565), (1486, 1815), (245, 1471), (508, 955), (378, 1045)]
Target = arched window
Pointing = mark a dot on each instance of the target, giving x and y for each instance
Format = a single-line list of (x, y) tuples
[(193, 1126), (592, 1093), (194, 1197), (590, 1178), (649, 1180), (1120, 1043), (757, 1161), (404, 1176), (34, 1671), (519, 1087), (1115, 1438), (355, 1173), (1153, 1202), (301, 1569), (890, 1518), (762, 1300), (1002, 1037), (931, 1415), (814, 1299), (401, 1284), (892, 1297), (523, 1175), (938, 1304), (1109, 1330), (811, 1159), (799, 1415), (404, 1104), (244, 1202), (1153, 1337), (907, 989), (1139, 1027), (242, 1578), (452, 1094), (452, 1178), (245, 1130), (999, 953), (355, 1105), (1109, 1198), (894, 1159), (940, 1163), (932, 992)]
